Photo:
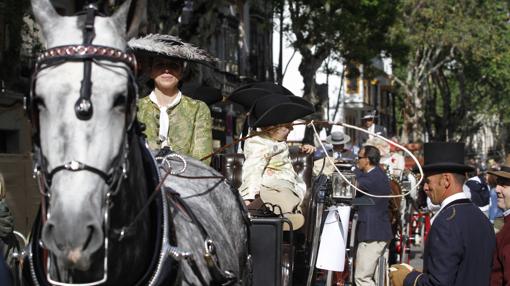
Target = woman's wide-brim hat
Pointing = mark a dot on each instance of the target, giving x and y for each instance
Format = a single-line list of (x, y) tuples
[(338, 138), (159, 45), (444, 157), (274, 109), (503, 172)]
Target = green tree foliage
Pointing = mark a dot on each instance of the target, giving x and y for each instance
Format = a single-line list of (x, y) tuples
[(353, 30), (451, 67)]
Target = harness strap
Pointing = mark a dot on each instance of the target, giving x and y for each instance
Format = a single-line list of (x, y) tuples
[(76, 166), (218, 275)]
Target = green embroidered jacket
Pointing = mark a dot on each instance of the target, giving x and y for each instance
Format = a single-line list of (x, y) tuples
[(189, 130)]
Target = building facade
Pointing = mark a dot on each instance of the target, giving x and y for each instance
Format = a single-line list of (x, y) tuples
[(238, 33)]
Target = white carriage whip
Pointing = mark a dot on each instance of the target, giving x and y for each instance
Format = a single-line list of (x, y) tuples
[(376, 135)]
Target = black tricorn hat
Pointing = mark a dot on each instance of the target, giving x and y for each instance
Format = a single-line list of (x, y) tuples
[(248, 96), (444, 157), (267, 85), (207, 94), (276, 109)]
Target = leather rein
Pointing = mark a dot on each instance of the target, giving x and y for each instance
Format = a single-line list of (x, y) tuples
[(118, 170)]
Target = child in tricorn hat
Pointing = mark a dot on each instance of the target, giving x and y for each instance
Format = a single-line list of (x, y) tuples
[(268, 174), (460, 243)]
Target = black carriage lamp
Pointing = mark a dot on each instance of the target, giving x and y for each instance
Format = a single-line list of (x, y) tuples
[(83, 106)]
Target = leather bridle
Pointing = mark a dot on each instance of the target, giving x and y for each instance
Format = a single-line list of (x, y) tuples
[(100, 55)]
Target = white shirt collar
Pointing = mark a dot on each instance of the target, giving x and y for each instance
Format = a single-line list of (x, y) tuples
[(176, 100), (370, 169), (507, 212), (164, 120), (452, 198)]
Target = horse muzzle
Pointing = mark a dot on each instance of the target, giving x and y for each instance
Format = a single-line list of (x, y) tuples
[(73, 241)]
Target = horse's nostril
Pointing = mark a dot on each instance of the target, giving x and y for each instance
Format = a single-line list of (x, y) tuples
[(49, 227), (90, 229), (60, 246)]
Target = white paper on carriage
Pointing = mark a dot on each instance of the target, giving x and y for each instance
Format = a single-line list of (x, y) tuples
[(333, 239)]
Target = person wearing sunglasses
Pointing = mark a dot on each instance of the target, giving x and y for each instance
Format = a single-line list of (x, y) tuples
[(374, 226)]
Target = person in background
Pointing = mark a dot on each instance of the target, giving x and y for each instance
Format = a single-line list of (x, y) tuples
[(335, 147), (6, 228), (392, 162), (172, 119), (478, 191), (495, 212), (368, 121), (374, 227), (458, 250), (500, 275), (338, 140)]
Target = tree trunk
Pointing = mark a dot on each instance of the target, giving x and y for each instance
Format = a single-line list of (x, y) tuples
[(308, 67)]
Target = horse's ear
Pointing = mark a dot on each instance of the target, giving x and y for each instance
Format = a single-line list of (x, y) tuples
[(45, 15), (137, 18), (120, 16)]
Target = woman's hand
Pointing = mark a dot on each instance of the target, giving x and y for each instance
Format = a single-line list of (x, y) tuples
[(308, 149)]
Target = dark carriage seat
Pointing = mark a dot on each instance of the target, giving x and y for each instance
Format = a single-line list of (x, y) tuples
[(232, 166)]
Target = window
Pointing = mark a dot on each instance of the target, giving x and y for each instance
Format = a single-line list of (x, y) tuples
[(9, 141)]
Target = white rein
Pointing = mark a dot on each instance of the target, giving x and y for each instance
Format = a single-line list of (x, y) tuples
[(381, 137)]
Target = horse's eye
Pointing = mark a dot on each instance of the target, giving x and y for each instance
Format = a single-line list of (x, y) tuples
[(39, 102), (120, 101)]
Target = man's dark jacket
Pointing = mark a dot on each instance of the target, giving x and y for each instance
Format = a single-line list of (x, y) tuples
[(458, 249), (374, 221)]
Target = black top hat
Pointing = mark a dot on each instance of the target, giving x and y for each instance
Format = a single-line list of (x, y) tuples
[(207, 94), (275, 109), (445, 157)]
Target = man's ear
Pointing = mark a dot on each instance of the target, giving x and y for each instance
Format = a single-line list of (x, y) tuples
[(448, 180)]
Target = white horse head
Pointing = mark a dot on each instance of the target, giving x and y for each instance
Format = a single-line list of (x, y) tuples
[(77, 203)]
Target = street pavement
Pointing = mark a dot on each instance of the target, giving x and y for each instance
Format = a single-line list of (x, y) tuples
[(416, 256)]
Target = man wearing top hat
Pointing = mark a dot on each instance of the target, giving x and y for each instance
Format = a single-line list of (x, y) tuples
[(368, 121), (268, 173), (500, 275), (458, 250), (171, 118)]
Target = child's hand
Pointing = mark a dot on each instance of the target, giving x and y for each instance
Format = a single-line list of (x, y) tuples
[(309, 149)]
